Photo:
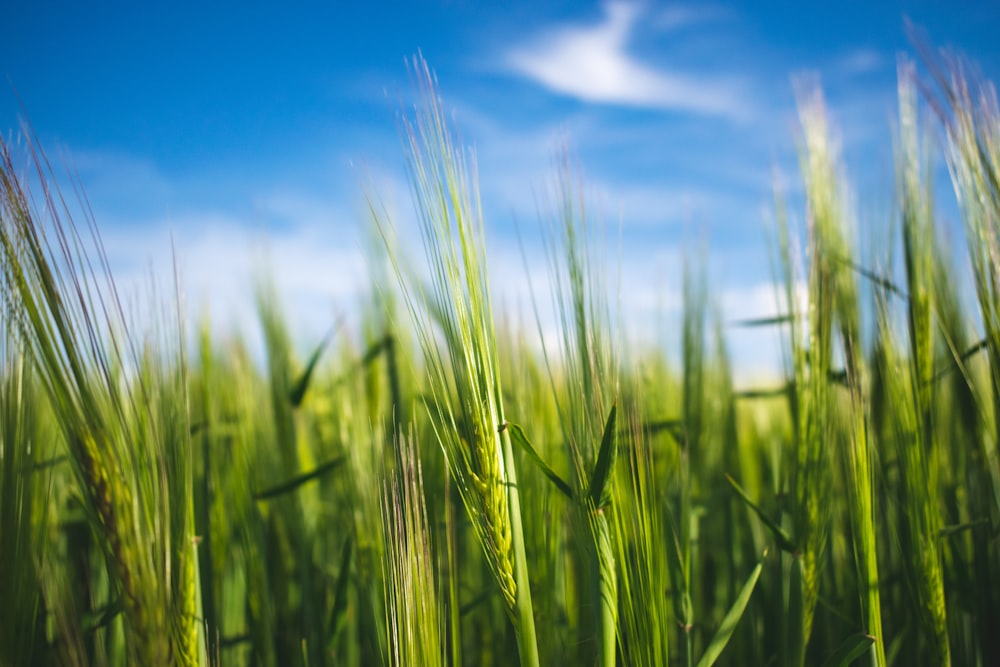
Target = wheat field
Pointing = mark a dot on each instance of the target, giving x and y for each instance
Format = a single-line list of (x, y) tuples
[(433, 488)]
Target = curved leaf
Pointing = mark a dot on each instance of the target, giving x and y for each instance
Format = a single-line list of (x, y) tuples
[(732, 618)]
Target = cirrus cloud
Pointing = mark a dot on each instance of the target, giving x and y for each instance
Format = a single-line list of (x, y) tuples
[(592, 63)]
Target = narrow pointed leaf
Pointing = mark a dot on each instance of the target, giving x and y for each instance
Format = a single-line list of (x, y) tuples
[(762, 321), (476, 602), (784, 541), (230, 642), (600, 483), (874, 278), (763, 393), (956, 361), (957, 528), (102, 616), (673, 427), (732, 618), (298, 391), (371, 354), (518, 437), (49, 463), (338, 615), (375, 350), (299, 480), (849, 650), (837, 376)]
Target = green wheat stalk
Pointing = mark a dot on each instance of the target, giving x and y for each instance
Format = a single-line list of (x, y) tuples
[(123, 413), (413, 614), (462, 366)]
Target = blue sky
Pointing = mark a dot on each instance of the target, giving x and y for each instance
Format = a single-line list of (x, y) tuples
[(246, 132)]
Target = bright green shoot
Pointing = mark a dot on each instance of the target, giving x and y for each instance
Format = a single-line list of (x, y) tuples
[(462, 365)]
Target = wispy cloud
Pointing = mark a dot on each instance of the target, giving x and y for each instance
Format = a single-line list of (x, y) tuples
[(862, 60), (653, 205), (314, 270), (680, 16), (593, 63)]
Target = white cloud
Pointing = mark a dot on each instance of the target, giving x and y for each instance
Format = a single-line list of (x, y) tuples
[(650, 205), (317, 271), (592, 63), (861, 61), (681, 16)]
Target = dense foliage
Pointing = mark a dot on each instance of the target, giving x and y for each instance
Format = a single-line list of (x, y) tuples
[(431, 489)]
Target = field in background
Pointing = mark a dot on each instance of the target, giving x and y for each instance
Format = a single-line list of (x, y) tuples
[(430, 489)]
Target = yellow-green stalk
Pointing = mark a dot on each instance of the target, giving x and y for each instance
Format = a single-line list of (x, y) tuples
[(413, 614), (919, 456), (121, 409), (588, 364), (463, 369)]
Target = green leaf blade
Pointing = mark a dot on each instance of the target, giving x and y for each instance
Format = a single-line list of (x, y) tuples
[(600, 483), (519, 438), (784, 541), (849, 650), (732, 618)]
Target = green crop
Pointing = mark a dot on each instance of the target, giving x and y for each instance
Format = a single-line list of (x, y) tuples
[(435, 487)]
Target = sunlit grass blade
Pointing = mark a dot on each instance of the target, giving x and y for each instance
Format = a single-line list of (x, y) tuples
[(644, 569), (519, 438), (294, 483), (462, 366), (413, 612), (122, 410), (600, 482), (300, 386), (732, 617), (589, 362)]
